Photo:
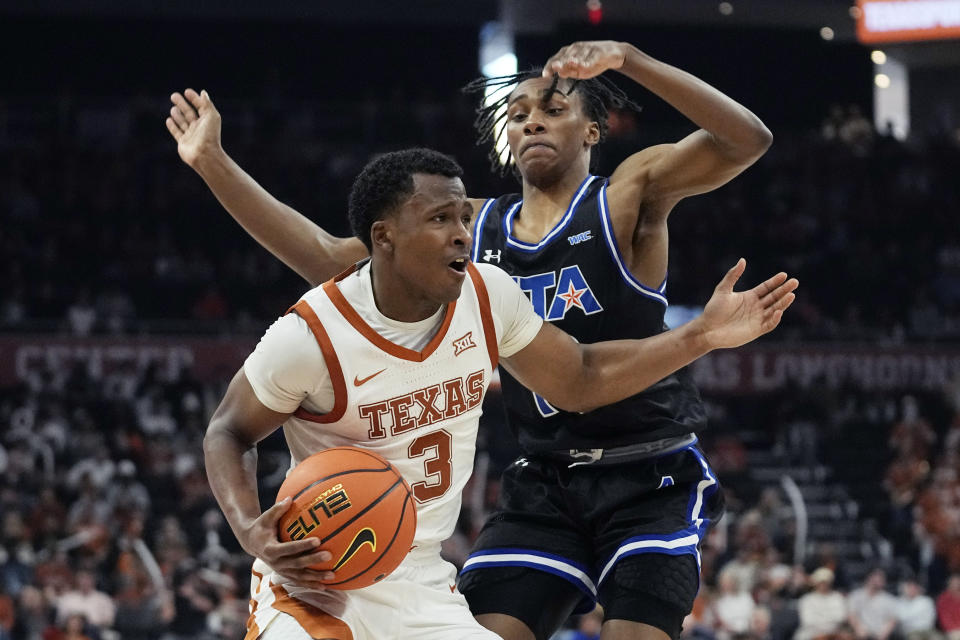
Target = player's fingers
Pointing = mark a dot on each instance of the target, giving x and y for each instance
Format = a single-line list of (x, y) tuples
[(769, 285), (770, 323), (305, 577), (294, 547), (193, 98), (205, 101), (184, 105), (310, 559), (730, 279), (783, 303), (553, 63), (174, 129), (775, 288), (277, 510), (177, 116)]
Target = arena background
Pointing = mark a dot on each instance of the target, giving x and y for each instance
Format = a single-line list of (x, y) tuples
[(128, 297)]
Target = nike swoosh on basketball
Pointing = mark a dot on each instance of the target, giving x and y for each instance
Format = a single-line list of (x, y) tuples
[(359, 381), (364, 536)]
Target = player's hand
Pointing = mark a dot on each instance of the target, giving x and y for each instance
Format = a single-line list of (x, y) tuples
[(195, 124), (584, 60), (732, 318), (291, 560)]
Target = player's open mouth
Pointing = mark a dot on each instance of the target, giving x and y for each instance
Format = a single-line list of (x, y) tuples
[(459, 265)]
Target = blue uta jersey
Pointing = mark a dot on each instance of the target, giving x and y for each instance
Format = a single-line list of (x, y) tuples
[(576, 278)]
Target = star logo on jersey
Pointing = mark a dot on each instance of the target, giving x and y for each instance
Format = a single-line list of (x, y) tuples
[(490, 256), (571, 289), (463, 343), (572, 297)]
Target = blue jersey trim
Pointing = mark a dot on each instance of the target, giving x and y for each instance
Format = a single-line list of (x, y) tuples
[(557, 229), (575, 573), (478, 227), (618, 257)]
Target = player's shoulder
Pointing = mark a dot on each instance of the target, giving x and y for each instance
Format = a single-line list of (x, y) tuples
[(493, 276), (293, 327)]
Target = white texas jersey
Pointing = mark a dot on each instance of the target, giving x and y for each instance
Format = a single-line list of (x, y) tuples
[(418, 409)]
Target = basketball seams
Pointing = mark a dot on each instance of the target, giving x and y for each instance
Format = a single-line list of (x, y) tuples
[(363, 511), (337, 475)]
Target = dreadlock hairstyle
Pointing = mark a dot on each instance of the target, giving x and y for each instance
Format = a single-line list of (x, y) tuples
[(598, 95)]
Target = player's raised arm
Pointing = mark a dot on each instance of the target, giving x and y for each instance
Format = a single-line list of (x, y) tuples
[(316, 255), (729, 140), (230, 456), (581, 377)]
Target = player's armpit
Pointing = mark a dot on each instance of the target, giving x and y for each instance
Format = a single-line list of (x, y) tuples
[(242, 415)]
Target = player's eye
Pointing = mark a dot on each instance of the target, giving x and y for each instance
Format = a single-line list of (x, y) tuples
[(518, 117)]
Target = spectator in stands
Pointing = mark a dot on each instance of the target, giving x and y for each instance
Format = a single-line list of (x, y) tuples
[(86, 599), (823, 611), (948, 608), (733, 608), (872, 611), (916, 614), (74, 628), (8, 614), (33, 615)]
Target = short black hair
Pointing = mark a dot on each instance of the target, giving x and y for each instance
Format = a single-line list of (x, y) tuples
[(599, 95), (387, 181)]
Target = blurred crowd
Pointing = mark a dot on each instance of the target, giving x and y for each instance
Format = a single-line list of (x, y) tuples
[(103, 229)]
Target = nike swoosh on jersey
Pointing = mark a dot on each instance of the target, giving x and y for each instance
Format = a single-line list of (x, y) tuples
[(364, 536), (359, 381)]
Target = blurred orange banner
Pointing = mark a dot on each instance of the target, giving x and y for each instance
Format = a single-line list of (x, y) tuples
[(906, 20)]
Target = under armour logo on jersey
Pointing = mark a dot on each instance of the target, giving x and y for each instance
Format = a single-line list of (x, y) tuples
[(580, 237), (490, 256), (463, 343), (570, 290)]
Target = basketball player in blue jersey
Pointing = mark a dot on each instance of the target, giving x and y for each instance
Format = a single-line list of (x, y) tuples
[(609, 505)]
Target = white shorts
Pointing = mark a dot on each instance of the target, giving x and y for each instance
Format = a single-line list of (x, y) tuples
[(418, 600)]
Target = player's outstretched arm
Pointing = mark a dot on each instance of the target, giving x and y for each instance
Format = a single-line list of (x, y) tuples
[(729, 140), (316, 255), (581, 377), (230, 456)]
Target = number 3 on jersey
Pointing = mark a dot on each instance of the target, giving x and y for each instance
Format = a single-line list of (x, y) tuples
[(437, 467)]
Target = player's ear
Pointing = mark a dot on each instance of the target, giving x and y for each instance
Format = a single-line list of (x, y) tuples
[(593, 133), (381, 235)]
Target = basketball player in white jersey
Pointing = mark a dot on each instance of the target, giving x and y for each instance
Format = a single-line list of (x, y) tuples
[(395, 355)]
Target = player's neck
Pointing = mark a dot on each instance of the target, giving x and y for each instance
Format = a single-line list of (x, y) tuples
[(397, 299), (545, 204)]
